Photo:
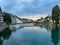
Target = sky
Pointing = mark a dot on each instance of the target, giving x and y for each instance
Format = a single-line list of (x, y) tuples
[(28, 8)]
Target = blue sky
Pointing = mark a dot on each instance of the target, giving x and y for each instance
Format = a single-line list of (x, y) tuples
[(28, 7)]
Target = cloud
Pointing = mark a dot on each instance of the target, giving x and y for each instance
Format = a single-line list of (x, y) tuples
[(21, 7), (34, 16)]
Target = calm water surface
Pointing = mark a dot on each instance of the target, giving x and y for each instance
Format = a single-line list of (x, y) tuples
[(30, 35)]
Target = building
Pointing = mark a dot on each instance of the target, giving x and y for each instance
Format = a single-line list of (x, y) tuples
[(24, 20), (1, 18), (15, 19)]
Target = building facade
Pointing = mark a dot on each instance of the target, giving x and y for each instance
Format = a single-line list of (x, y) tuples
[(15, 19), (26, 20), (1, 18)]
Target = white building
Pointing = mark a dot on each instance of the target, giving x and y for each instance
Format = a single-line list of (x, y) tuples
[(15, 19), (1, 18)]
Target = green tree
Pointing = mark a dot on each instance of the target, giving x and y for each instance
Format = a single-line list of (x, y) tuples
[(55, 14), (47, 19), (41, 18), (7, 18)]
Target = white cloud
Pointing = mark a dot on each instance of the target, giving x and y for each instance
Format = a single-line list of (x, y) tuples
[(20, 7)]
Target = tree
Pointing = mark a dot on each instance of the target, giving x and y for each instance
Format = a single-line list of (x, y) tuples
[(55, 14), (47, 19), (7, 18), (41, 18)]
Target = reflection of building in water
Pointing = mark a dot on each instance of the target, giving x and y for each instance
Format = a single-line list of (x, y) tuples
[(16, 27), (55, 35), (5, 34)]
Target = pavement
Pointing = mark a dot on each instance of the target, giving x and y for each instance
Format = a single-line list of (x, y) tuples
[(2, 27)]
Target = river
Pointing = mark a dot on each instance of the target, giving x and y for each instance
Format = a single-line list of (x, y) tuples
[(28, 34)]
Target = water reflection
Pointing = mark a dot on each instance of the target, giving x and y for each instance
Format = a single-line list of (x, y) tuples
[(48, 27), (30, 36), (4, 35), (15, 27), (1, 41), (55, 34)]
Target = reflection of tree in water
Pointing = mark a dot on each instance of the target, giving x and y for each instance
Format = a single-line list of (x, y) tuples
[(5, 34), (47, 27), (41, 26), (1, 41), (55, 35)]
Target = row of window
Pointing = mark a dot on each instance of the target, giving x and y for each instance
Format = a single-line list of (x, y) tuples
[(1, 19)]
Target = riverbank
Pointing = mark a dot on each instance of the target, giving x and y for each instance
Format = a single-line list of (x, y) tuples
[(2, 27)]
